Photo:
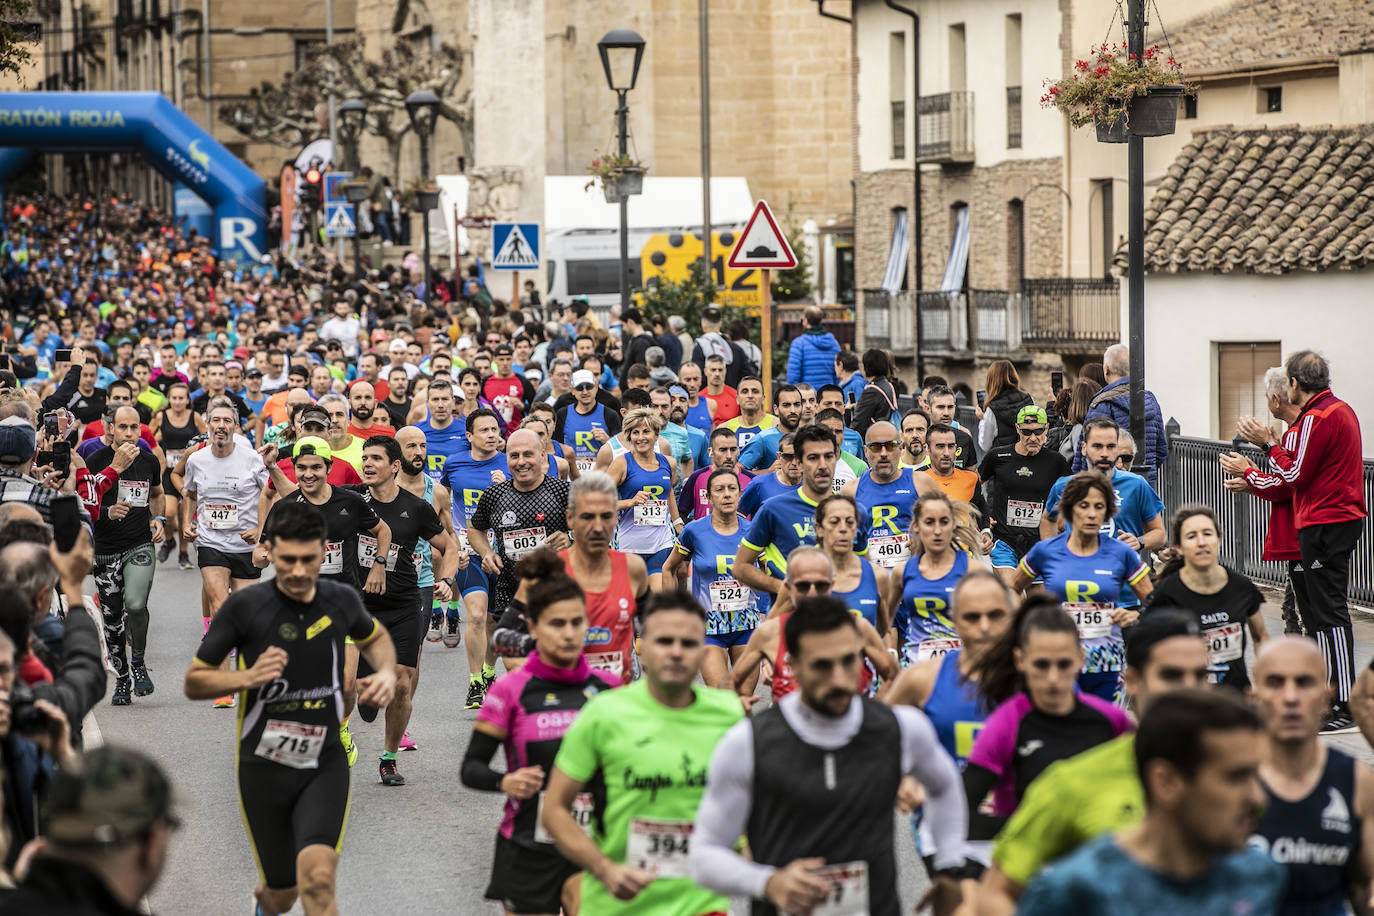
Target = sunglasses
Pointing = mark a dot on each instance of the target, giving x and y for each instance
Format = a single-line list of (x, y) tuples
[(1126, 457), (820, 587), (788, 456), (1031, 430), (583, 387), (890, 445)]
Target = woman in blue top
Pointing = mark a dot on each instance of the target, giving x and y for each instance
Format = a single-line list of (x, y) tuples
[(858, 582), (648, 512), (1089, 571), (709, 545), (920, 587)]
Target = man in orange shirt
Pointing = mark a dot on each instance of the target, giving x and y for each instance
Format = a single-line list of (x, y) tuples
[(362, 404), (957, 483)]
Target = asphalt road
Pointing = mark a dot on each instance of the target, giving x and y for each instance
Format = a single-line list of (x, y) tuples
[(424, 848)]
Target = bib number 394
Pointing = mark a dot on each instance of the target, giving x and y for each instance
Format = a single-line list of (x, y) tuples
[(848, 890), (292, 744), (660, 847)]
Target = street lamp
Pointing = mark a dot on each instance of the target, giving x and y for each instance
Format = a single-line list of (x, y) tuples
[(352, 117), (355, 192), (423, 108), (621, 52)]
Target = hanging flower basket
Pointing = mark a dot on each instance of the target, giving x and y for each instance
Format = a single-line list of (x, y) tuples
[(630, 181), (621, 176), (1121, 95), (426, 198)]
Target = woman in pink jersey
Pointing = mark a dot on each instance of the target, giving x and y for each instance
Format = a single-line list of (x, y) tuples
[(527, 711)]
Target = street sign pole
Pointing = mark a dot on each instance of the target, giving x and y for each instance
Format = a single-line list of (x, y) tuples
[(766, 319), (515, 290)]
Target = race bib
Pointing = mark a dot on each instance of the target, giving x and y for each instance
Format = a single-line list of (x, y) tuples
[(333, 557), (848, 890), (935, 648), (729, 596), (174, 457), (292, 744), (660, 847), (463, 540), (367, 550), (581, 812), (134, 492), (521, 542), (1023, 513), (1094, 621), (221, 516), (586, 464), (610, 662), (888, 550), (653, 513), (1225, 643)]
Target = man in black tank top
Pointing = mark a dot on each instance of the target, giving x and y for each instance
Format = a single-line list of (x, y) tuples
[(1319, 819), (812, 782)]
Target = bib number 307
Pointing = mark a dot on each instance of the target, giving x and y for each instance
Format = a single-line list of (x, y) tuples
[(660, 847)]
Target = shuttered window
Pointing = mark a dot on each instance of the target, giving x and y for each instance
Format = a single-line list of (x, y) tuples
[(1240, 383)]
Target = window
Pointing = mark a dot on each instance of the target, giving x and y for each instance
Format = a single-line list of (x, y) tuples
[(958, 59), (1101, 228), (1016, 244), (304, 48), (1240, 383), (1270, 99), (1189, 107), (897, 82), (1013, 56)]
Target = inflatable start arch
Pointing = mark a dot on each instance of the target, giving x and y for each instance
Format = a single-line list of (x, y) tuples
[(169, 141)]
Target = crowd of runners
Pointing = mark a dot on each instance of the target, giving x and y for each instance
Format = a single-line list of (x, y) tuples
[(725, 631)]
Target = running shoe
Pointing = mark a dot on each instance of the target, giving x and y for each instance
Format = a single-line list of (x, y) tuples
[(476, 693), (165, 550), (122, 692), (408, 743), (350, 746), (436, 627), (488, 680), (183, 560), (389, 775), (1338, 722), (453, 633), (225, 702), (369, 713), (143, 682)]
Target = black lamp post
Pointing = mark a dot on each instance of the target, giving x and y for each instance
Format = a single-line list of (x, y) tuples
[(621, 52), (1135, 251), (352, 116), (355, 192), (423, 108)]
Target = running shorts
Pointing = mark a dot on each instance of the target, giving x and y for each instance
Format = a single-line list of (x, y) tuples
[(285, 810), (528, 880), (405, 635), (729, 640), (240, 565), (653, 562), (426, 602), (472, 579)]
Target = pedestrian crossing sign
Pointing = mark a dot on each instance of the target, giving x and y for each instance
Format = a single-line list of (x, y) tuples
[(339, 222), (516, 246)]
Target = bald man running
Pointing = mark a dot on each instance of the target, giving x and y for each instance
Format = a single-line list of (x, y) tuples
[(1319, 820)]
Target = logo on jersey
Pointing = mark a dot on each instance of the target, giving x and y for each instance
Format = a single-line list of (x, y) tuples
[(550, 699), (1336, 814), (1023, 471), (598, 636), (508, 518), (624, 603), (288, 632)]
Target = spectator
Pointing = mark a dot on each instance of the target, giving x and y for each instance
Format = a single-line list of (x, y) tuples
[(659, 373), (879, 399), (678, 326), (1114, 401), (109, 823), (672, 347), (636, 340), (811, 356), (1326, 471), (851, 380), (752, 355), (713, 343), (1003, 400)]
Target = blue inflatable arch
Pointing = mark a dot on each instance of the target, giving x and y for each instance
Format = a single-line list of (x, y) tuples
[(169, 141)]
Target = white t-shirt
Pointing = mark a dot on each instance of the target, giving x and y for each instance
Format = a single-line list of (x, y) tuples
[(227, 491), (345, 331)]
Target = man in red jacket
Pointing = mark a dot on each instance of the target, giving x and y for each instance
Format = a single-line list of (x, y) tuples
[(1325, 468)]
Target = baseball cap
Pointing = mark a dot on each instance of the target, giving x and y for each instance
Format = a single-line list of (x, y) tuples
[(313, 413), (583, 377), (241, 353), (1031, 413), (313, 445), (677, 390), (397, 346), (378, 335), (1155, 627), (464, 342), (114, 796), (18, 440), (253, 373)]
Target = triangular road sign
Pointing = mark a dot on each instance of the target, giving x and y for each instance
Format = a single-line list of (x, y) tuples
[(340, 221), (761, 244), (516, 251)]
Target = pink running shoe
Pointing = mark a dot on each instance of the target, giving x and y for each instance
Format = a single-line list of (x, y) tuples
[(408, 743)]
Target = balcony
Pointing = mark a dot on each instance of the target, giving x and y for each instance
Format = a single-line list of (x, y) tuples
[(945, 128), (889, 321), (962, 325), (1072, 315)]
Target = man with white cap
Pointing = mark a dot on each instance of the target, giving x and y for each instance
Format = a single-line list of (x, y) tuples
[(586, 425), (397, 349)]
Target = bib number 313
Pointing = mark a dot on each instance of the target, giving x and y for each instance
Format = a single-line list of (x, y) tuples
[(660, 847)]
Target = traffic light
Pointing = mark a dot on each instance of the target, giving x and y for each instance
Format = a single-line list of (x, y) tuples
[(312, 194)]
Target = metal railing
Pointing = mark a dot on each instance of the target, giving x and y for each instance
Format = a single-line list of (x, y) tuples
[(1069, 313), (944, 125), (1013, 117), (973, 321), (889, 321), (1192, 474)]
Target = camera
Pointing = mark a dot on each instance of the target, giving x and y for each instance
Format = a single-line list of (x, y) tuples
[(25, 717)]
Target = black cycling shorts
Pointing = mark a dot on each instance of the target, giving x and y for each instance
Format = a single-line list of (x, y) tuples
[(240, 565), (528, 880), (285, 810), (405, 635)]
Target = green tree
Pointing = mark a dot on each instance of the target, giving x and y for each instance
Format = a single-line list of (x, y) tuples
[(13, 40), (662, 296)]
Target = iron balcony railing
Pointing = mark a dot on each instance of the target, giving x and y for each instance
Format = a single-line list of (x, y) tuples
[(1072, 314), (1192, 474), (970, 321), (945, 127), (890, 321), (1013, 117)]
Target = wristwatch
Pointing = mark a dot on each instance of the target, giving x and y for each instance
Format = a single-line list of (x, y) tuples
[(447, 580)]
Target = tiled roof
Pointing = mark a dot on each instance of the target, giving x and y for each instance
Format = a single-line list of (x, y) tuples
[(1266, 201), (1255, 31)]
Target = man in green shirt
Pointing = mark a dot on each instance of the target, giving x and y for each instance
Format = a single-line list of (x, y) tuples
[(648, 745), (1085, 796)]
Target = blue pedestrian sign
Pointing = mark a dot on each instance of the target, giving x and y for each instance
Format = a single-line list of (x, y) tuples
[(333, 193), (516, 246), (340, 221)]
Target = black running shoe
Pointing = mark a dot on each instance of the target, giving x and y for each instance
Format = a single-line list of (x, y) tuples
[(165, 550), (476, 693), (123, 692), (143, 682), (1338, 722), (369, 713), (390, 776)]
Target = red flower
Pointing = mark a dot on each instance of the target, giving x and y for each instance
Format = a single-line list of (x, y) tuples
[(1054, 90), (1080, 65)]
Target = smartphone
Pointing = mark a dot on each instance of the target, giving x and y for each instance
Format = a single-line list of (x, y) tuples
[(5, 362), (62, 356), (66, 521), (62, 457), (982, 396), (50, 426), (1056, 382)]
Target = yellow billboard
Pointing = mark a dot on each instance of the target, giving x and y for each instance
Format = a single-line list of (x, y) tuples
[(671, 255)]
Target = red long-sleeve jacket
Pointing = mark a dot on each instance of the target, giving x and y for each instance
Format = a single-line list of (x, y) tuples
[(1326, 467), (1281, 537)]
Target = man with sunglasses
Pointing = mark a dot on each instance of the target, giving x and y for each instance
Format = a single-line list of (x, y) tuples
[(766, 486), (586, 424), (888, 493), (1021, 476)]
